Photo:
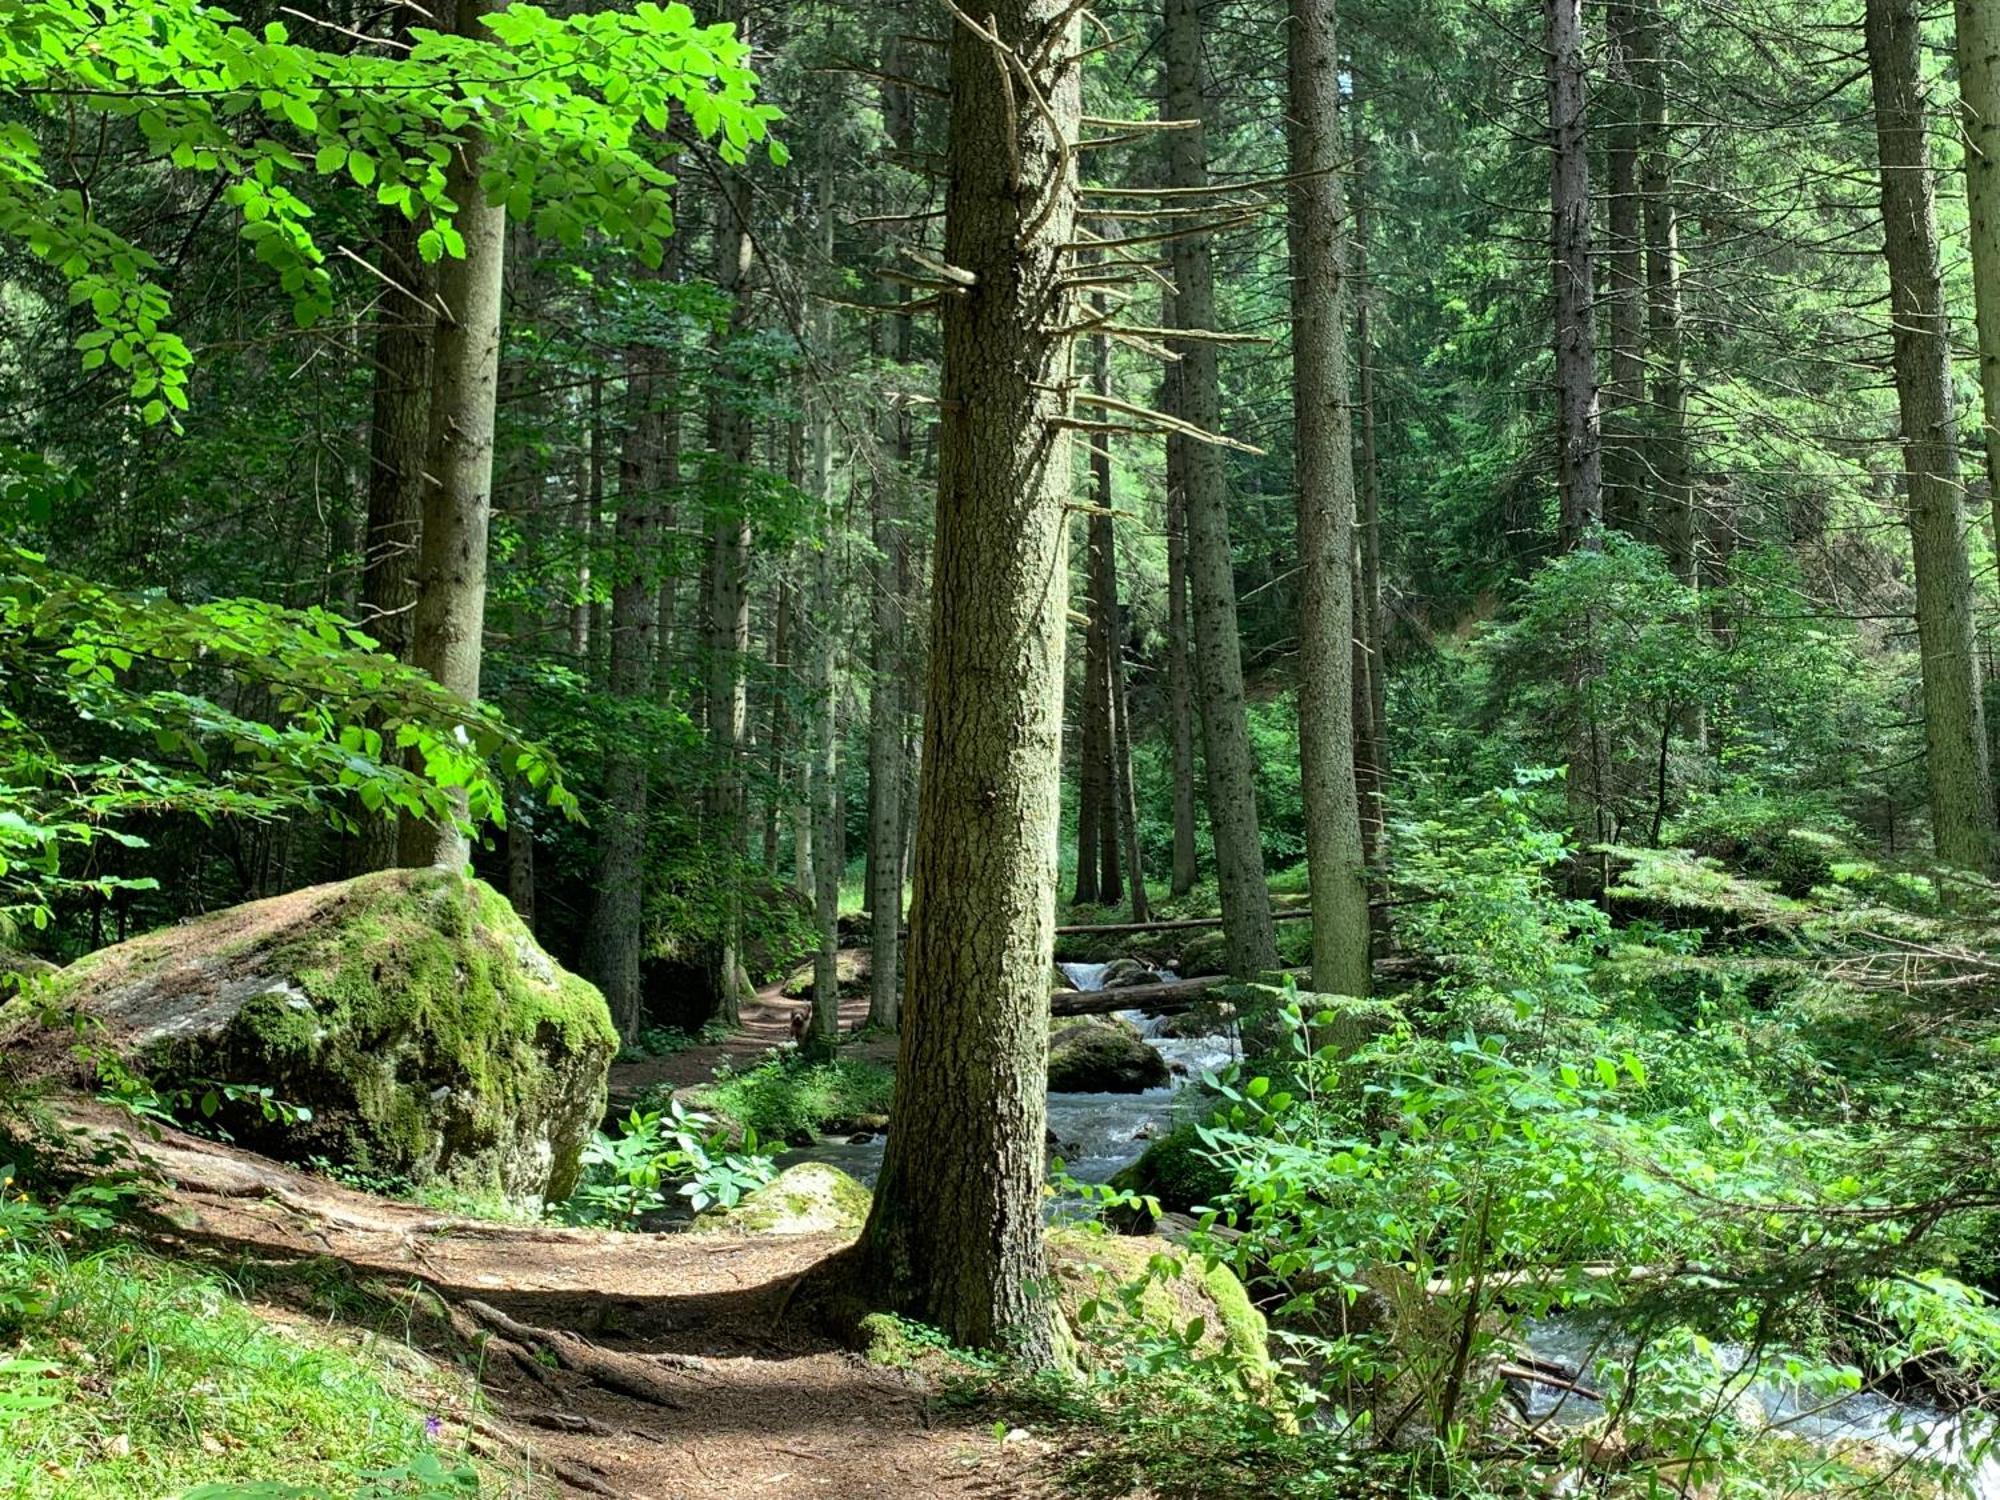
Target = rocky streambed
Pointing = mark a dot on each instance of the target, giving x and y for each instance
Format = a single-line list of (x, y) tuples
[(1095, 1134)]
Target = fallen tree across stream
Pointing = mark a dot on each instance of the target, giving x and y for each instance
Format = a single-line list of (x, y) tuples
[(1166, 997)]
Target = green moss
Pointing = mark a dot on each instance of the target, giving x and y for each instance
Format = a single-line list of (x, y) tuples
[(1174, 1287), (810, 1198), (410, 1010), (1176, 1170), (1102, 1056)]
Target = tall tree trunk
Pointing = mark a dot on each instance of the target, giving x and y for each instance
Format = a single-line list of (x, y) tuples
[(1667, 452), (1251, 941), (730, 439), (1954, 729), (955, 1235), (1323, 450), (887, 649), (614, 938), (585, 515), (1979, 93), (458, 500), (885, 749), (823, 1036), (1624, 396), (1092, 767), (778, 776), (1103, 639), (1579, 440), (398, 439), (1372, 742), (1124, 793), (1180, 694), (1579, 443)]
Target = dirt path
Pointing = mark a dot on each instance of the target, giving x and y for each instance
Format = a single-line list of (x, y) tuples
[(641, 1367), (767, 1024)]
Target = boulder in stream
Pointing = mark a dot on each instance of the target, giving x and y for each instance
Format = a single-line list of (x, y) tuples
[(1123, 973), (1103, 1055), (411, 1011)]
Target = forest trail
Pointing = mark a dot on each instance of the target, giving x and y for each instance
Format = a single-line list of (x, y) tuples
[(634, 1366), (767, 1023)]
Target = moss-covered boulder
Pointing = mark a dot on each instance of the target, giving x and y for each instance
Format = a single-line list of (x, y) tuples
[(1124, 973), (20, 970), (1176, 1171), (1205, 953), (1207, 1017), (411, 1011), (1096, 1274), (810, 1198), (1102, 1055)]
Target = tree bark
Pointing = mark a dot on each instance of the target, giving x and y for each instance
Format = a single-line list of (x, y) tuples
[(955, 1235), (1625, 394), (887, 647), (1125, 795), (1666, 455), (1961, 790), (1100, 737), (613, 939), (784, 648), (730, 441), (398, 437), (1372, 742), (1232, 791), (1979, 95), (1180, 696), (1323, 453), (1579, 440), (823, 1036), (458, 499), (1091, 767)]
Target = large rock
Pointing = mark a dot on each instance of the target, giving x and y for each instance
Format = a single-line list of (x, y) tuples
[(410, 1010), (1124, 973), (810, 1198), (1102, 1055), (1175, 1288), (18, 971), (1177, 1172)]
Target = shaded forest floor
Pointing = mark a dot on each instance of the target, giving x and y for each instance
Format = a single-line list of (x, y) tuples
[(767, 1023), (637, 1366)]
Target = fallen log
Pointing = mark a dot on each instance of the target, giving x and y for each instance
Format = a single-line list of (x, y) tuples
[(1179, 924), (1170, 996), (1166, 998)]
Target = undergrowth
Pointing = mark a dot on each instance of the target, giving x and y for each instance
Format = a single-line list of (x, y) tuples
[(789, 1097), (132, 1375)]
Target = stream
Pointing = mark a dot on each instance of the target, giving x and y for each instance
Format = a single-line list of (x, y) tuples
[(1097, 1134)]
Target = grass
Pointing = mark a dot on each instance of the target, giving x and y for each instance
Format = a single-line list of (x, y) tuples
[(788, 1096), (166, 1381)]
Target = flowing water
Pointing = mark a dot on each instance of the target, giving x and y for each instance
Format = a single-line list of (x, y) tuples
[(1862, 1417), (1097, 1134)]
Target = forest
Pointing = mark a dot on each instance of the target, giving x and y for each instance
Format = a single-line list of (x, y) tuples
[(883, 748)]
